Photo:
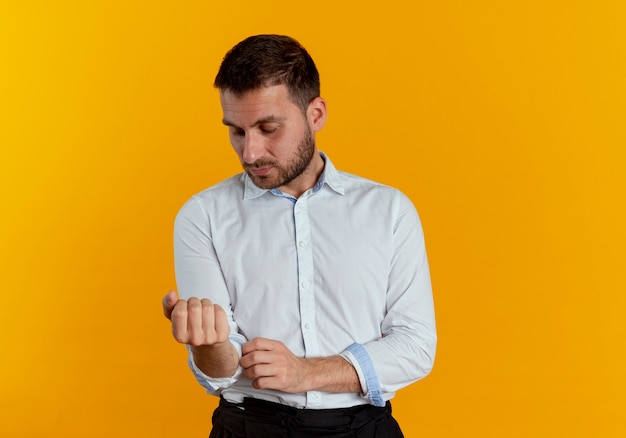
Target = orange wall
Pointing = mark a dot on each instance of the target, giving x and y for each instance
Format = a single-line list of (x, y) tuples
[(503, 121)]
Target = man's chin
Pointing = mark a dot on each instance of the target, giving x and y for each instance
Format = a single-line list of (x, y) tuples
[(263, 182)]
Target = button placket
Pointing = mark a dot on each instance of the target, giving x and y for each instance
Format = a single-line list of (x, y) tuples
[(306, 286)]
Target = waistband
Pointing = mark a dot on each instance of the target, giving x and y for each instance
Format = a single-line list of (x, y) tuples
[(265, 412)]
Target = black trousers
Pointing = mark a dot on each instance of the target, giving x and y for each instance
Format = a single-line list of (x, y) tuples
[(261, 419)]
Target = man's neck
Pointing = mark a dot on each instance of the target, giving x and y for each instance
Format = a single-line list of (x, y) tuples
[(306, 179)]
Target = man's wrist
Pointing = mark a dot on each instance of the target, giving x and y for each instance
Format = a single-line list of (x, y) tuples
[(217, 360)]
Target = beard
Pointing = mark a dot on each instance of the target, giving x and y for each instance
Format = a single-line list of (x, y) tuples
[(305, 151)]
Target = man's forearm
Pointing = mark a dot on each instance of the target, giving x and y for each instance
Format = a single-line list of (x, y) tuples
[(331, 374), (271, 365), (219, 360)]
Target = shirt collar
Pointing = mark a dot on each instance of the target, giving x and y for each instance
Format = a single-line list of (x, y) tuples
[(330, 176)]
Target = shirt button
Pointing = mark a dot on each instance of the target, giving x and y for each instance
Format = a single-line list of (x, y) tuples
[(305, 284), (302, 243), (307, 326), (314, 396)]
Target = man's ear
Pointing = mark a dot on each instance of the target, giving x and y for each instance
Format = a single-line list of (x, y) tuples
[(316, 113)]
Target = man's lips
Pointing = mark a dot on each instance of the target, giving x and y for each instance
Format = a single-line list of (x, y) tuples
[(260, 171)]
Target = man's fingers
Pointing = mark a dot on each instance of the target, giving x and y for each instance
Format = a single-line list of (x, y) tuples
[(168, 302), (259, 370), (259, 344), (255, 358), (179, 317), (222, 329), (196, 321), (277, 368), (201, 322), (208, 314)]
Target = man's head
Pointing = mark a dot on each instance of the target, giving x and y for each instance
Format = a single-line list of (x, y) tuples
[(266, 60), (269, 92)]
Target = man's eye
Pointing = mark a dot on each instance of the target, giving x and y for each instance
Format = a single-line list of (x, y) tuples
[(238, 132), (268, 129)]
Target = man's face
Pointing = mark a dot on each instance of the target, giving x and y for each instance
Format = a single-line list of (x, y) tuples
[(272, 138)]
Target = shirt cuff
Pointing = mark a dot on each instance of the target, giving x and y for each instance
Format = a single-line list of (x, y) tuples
[(214, 385), (358, 356)]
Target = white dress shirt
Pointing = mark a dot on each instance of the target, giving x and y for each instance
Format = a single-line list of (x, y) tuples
[(341, 270)]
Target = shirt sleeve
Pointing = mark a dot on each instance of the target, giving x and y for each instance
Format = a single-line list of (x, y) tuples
[(199, 274), (406, 351)]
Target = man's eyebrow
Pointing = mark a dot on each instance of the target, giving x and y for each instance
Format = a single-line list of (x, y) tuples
[(268, 119)]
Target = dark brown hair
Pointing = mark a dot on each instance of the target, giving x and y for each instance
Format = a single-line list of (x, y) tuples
[(266, 60)]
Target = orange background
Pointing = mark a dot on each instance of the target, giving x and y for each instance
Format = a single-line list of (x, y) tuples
[(503, 121)]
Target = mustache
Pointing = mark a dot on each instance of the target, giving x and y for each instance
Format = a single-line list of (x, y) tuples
[(259, 163)]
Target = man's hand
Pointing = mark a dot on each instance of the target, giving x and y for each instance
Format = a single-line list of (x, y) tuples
[(270, 364), (204, 326), (196, 322)]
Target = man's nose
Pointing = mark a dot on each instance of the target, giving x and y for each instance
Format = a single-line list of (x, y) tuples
[(253, 148)]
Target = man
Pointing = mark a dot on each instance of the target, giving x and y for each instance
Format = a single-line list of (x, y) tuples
[(305, 293)]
